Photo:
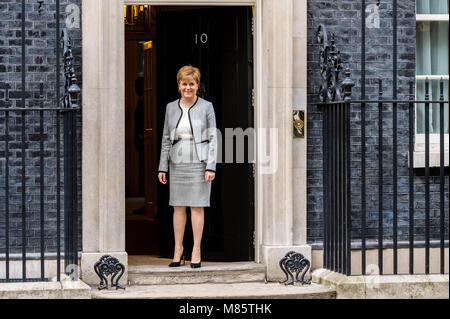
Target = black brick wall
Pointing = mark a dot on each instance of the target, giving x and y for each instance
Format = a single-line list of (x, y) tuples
[(40, 66), (343, 18), (340, 17)]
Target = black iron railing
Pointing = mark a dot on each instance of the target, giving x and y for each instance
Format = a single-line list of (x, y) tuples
[(52, 138), (337, 179), (65, 128), (339, 198)]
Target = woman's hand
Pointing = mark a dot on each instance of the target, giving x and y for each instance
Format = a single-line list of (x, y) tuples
[(209, 176), (162, 178)]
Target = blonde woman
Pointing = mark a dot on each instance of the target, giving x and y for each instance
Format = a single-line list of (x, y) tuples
[(188, 154)]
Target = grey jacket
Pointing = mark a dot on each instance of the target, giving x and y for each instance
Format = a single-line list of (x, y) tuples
[(203, 126)]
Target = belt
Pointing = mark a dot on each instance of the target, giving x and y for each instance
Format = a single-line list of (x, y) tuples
[(176, 141)]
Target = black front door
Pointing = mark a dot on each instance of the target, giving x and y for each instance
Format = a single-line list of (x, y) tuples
[(219, 42)]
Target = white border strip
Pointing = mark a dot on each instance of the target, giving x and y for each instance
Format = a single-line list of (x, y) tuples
[(432, 17), (431, 77)]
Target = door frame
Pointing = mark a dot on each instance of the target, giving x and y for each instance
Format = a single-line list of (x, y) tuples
[(279, 226), (257, 76)]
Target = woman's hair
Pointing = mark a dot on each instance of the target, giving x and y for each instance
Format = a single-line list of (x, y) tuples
[(188, 71)]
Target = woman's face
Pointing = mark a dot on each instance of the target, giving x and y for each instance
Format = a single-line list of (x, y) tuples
[(188, 88)]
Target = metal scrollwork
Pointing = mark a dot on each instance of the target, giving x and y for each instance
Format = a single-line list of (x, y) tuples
[(108, 265), (296, 263), (71, 89), (40, 9), (330, 67)]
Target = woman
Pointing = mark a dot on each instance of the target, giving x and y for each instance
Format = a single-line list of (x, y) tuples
[(188, 152)]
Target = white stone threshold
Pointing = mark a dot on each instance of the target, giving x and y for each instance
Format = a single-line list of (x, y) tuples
[(384, 286)]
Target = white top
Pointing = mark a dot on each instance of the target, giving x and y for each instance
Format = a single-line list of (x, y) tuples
[(184, 126)]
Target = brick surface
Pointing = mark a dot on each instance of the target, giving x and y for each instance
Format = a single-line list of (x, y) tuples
[(340, 17), (40, 65), (343, 18)]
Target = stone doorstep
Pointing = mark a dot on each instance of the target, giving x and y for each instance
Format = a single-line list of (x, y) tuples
[(217, 291), (236, 272), (434, 286), (65, 289)]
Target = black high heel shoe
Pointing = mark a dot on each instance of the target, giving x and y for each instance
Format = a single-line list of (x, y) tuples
[(178, 263), (196, 265)]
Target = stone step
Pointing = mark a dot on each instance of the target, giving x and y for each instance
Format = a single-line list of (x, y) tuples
[(235, 272), (248, 290), (64, 289)]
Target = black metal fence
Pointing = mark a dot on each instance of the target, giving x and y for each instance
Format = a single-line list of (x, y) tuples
[(352, 172), (337, 178), (338, 170), (34, 136)]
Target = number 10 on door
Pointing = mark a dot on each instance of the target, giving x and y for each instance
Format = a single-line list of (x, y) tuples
[(203, 38)]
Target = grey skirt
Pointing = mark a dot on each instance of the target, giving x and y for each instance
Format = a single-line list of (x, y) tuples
[(187, 177)]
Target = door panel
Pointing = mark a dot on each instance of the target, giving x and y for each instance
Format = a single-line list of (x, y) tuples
[(219, 42), (150, 131), (140, 224), (236, 179)]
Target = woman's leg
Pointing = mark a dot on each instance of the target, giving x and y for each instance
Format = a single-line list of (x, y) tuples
[(179, 224), (197, 220)]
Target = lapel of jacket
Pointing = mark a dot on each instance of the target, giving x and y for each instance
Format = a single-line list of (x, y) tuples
[(192, 117)]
